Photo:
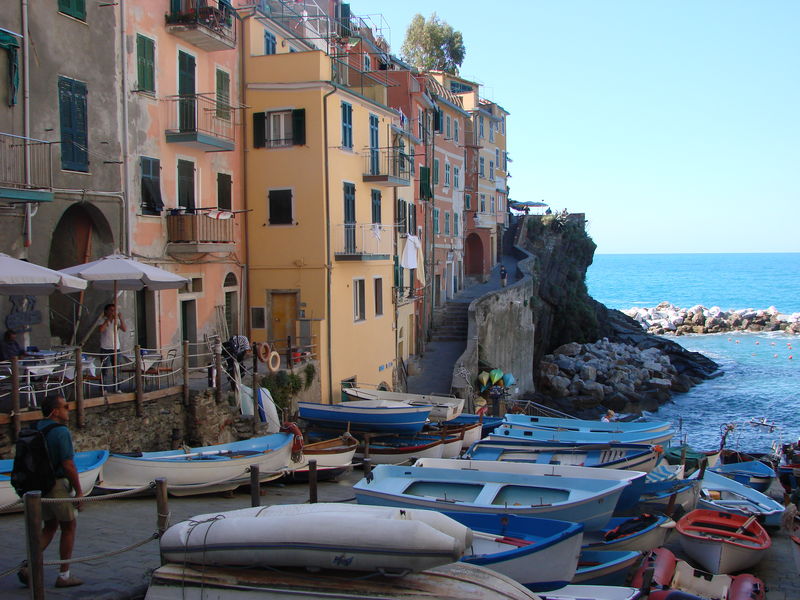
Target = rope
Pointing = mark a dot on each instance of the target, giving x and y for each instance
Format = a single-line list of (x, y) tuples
[(8, 507), (13, 569), (150, 538), (113, 496)]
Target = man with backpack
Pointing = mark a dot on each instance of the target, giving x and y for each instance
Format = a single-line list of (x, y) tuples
[(60, 453)]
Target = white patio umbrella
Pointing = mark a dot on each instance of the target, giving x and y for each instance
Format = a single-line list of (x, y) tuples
[(19, 277)]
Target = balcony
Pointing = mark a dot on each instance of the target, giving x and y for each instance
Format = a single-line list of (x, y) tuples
[(200, 121), (485, 220), (387, 167), (197, 233), (207, 24), (359, 241), (405, 295), (24, 180)]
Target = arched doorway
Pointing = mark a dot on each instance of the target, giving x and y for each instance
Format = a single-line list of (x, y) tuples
[(82, 234), (230, 288), (474, 254)]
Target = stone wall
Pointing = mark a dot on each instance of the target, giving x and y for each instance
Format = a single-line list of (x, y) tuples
[(667, 318)]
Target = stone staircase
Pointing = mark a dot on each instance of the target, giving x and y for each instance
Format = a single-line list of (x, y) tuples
[(451, 323)]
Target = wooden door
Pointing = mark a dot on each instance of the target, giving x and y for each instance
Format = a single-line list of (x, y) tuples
[(284, 315)]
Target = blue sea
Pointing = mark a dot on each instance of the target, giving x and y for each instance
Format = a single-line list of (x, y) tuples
[(761, 371)]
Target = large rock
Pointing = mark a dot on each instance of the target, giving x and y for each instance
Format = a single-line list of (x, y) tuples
[(570, 349)]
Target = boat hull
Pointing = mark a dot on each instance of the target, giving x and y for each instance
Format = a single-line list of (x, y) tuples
[(567, 424), (724, 494), (651, 535), (333, 457), (581, 437), (367, 415), (443, 408), (605, 568), (595, 592), (203, 470)]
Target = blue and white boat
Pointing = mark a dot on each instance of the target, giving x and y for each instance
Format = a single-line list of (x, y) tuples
[(507, 431), (89, 465), (721, 493), (200, 470), (587, 501), (628, 499), (605, 568), (488, 424), (541, 554), (657, 494), (639, 534), (592, 592), (367, 415), (754, 473), (568, 424), (443, 408), (637, 457)]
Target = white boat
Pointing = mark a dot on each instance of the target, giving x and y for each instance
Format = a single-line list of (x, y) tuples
[(456, 581), (89, 465), (640, 534), (508, 431), (366, 415), (522, 421), (718, 492), (628, 499), (444, 408), (592, 592), (396, 452), (334, 457), (722, 542), (318, 536), (201, 470)]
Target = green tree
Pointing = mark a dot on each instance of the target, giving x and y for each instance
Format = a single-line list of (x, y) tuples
[(433, 45)]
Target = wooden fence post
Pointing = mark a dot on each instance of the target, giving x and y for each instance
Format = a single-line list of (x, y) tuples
[(80, 410), (15, 395), (137, 378), (33, 531), (162, 505), (256, 387), (218, 380), (289, 362), (312, 481), (185, 369), (255, 486)]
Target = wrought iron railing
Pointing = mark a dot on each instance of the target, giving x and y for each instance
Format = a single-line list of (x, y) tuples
[(354, 239), (200, 113), (389, 162), (186, 228), (13, 165), (213, 15)]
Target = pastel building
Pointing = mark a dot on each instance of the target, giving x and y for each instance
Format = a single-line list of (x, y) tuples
[(325, 167)]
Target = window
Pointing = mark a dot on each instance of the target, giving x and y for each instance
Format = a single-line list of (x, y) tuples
[(505, 161), (456, 218), (74, 127), (491, 203), (376, 206), (367, 63), (503, 124), (468, 201), (186, 184), (347, 125), (455, 129), (456, 178), (480, 125), (152, 204), (258, 317), (279, 128), (483, 202), (145, 64), (447, 128), (435, 171), (402, 223), (411, 219), (447, 174), (497, 157), (280, 207), (270, 43), (359, 313), (447, 222), (436, 221), (73, 8), (378, 285), (224, 191), (420, 122), (481, 170), (491, 170), (223, 95), (491, 131)]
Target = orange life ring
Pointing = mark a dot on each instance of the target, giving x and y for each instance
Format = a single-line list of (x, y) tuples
[(274, 361), (297, 445), (262, 351)]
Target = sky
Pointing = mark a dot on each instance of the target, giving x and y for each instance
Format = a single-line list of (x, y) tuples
[(672, 124)]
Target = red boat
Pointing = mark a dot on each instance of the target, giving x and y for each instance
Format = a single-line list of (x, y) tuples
[(675, 579)]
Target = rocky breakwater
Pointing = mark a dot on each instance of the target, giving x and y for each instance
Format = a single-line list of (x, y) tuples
[(667, 318), (615, 375)]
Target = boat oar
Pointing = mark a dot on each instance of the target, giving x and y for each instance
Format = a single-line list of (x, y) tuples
[(511, 541), (746, 524)]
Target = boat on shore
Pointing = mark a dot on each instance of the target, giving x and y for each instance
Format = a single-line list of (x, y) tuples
[(587, 501), (592, 592), (605, 567), (200, 470), (722, 542), (753, 473), (658, 495), (718, 492), (635, 457), (444, 408), (506, 431), (398, 451), (522, 421), (333, 456), (488, 424), (640, 534), (469, 432), (89, 465), (366, 415)]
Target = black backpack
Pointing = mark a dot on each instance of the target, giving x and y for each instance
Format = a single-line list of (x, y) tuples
[(32, 467)]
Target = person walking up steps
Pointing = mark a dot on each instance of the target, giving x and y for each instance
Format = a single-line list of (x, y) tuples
[(61, 515), (503, 276)]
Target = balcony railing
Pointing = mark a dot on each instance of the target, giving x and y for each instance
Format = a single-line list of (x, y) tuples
[(208, 24), (198, 233), (38, 183), (485, 220), (359, 241), (404, 295), (200, 121), (387, 166)]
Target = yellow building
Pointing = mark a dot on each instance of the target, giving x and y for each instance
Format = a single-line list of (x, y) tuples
[(323, 163)]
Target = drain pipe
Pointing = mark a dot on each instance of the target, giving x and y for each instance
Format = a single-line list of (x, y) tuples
[(328, 264), (26, 120), (126, 220), (244, 301)]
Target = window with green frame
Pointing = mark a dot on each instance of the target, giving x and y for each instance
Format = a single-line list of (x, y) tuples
[(73, 8), (347, 125), (145, 64), (435, 171), (223, 95), (468, 201), (456, 218), (447, 222), (436, 220)]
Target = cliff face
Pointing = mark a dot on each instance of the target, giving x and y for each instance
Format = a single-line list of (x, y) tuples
[(563, 311)]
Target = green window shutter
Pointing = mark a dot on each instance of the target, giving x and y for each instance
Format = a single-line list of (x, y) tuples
[(223, 95), (72, 106), (299, 127), (259, 130), (425, 182), (145, 64), (224, 186), (73, 8), (435, 171)]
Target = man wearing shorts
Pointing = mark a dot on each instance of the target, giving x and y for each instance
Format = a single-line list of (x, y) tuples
[(62, 514)]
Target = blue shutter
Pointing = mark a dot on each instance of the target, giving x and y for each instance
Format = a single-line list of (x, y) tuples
[(74, 131)]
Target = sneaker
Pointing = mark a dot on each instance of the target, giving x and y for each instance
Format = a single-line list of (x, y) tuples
[(70, 581), (22, 575)]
